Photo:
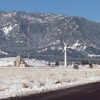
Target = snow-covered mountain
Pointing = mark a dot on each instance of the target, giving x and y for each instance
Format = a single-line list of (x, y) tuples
[(46, 33)]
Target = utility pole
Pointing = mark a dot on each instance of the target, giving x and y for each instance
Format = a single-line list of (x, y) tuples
[(28, 40)]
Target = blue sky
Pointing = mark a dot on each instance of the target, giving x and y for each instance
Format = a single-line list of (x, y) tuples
[(89, 9)]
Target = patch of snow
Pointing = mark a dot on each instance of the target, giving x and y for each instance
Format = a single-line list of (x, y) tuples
[(2, 52), (59, 48), (55, 43), (7, 15), (19, 41), (32, 62), (43, 50), (6, 61), (52, 47), (84, 47), (77, 26), (78, 46), (7, 30), (93, 55), (61, 17)]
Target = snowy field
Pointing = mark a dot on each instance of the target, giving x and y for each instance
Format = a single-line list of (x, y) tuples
[(32, 62), (17, 81)]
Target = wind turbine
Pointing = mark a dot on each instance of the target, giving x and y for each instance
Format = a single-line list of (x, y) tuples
[(65, 53)]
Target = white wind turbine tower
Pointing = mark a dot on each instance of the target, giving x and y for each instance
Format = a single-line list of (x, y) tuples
[(65, 53)]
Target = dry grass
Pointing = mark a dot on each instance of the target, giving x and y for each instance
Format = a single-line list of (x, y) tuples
[(41, 84), (24, 85), (57, 82), (3, 89)]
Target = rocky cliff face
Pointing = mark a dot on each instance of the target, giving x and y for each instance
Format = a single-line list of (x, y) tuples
[(46, 33)]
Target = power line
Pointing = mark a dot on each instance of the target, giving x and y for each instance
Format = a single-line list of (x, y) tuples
[(28, 40)]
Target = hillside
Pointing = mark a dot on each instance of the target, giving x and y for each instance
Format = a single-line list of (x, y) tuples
[(46, 35)]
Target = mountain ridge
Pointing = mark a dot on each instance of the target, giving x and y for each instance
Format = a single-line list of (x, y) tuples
[(46, 34)]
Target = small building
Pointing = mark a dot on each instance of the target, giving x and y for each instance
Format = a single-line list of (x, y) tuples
[(19, 62)]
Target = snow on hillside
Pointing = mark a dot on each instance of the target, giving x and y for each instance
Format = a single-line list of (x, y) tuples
[(5, 53), (93, 55), (78, 46), (7, 29)]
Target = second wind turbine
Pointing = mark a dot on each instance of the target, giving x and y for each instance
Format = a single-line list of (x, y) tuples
[(65, 53)]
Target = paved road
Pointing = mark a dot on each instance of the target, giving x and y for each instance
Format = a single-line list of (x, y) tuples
[(83, 92)]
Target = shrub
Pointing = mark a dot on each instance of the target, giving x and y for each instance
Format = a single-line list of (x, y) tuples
[(76, 66), (25, 85), (57, 82), (41, 84), (91, 65)]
